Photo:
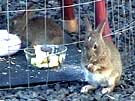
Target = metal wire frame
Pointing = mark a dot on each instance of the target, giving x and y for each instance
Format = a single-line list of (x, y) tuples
[(118, 31)]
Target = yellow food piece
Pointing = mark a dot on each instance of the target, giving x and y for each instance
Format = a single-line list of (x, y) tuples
[(54, 61)]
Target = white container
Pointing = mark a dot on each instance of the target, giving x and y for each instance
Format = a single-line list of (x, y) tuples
[(9, 43)]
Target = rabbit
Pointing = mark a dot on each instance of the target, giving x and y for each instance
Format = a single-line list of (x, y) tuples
[(101, 61), (38, 33)]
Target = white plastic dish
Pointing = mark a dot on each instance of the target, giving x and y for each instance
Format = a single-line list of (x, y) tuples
[(51, 57), (9, 43)]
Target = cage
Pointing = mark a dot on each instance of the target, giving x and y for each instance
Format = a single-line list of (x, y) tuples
[(16, 72)]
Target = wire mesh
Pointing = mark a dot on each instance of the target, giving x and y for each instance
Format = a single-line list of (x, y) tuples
[(121, 20)]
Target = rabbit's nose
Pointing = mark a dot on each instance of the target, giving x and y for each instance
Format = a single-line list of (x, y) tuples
[(91, 59)]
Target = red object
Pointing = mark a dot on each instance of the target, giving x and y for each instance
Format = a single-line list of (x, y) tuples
[(70, 21), (68, 11), (101, 14)]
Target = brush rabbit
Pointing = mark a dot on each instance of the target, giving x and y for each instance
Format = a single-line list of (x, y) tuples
[(101, 60), (37, 30)]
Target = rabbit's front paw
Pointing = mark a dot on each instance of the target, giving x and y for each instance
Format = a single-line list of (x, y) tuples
[(94, 68), (86, 88), (106, 90)]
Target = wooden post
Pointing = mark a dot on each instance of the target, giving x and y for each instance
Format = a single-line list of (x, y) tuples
[(70, 21), (101, 14)]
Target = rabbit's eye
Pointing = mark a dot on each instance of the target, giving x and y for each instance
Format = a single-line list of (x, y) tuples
[(95, 46)]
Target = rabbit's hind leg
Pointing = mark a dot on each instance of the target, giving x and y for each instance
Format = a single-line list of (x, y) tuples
[(111, 83), (87, 88)]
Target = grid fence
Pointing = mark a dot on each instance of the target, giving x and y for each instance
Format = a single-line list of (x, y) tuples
[(121, 15)]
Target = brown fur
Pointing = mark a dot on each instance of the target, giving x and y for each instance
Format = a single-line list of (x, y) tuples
[(40, 30), (103, 59)]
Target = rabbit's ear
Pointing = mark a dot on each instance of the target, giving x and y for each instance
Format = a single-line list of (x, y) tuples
[(30, 13), (88, 25), (23, 14), (101, 27)]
